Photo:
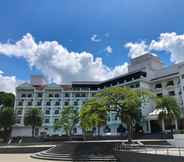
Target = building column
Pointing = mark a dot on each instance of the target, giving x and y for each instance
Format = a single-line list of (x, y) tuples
[(163, 125), (176, 124), (149, 126)]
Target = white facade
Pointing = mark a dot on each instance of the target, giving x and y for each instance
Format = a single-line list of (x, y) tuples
[(145, 72)]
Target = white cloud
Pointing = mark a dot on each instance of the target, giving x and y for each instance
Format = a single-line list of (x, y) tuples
[(136, 49), (7, 83), (108, 49), (57, 63), (118, 69), (95, 38), (1, 72), (171, 43)]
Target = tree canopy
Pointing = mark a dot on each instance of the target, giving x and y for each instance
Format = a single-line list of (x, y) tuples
[(92, 114), (7, 99), (124, 101), (7, 120), (69, 117)]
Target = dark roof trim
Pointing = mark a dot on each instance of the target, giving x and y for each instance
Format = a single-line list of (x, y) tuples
[(164, 76)]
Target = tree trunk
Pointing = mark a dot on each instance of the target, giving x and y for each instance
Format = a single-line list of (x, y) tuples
[(130, 132), (33, 130), (5, 135), (98, 130), (70, 134), (172, 128)]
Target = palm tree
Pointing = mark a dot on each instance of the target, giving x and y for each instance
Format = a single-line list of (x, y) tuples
[(34, 119), (169, 109)]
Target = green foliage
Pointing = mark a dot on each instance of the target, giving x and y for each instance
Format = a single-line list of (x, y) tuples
[(7, 99), (92, 114), (124, 101), (7, 119), (69, 117), (170, 109), (33, 118)]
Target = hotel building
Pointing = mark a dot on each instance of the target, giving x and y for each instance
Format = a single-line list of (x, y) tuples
[(144, 72)]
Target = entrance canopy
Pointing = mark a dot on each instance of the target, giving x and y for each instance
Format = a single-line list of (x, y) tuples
[(154, 114)]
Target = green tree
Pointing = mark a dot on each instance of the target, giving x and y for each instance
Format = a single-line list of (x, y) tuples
[(7, 99), (92, 114), (170, 109), (130, 108), (69, 117), (126, 103), (34, 119), (7, 120)]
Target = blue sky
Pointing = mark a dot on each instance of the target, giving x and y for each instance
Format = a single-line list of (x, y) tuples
[(72, 23)]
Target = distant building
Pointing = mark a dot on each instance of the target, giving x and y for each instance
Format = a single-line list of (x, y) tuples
[(146, 72)]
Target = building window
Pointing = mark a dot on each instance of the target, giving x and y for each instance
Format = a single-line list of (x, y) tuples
[(107, 129), (48, 103), (171, 93), (47, 112), (29, 104), (93, 89), (77, 95), (75, 103), (74, 130), (39, 103), (180, 92), (159, 85), (93, 94), (56, 112), (19, 112), (20, 104), (170, 83), (23, 95), (83, 95), (39, 94), (29, 95), (137, 85), (182, 76), (159, 94), (57, 103), (121, 129), (132, 86), (50, 95), (56, 95), (116, 117), (108, 118), (18, 120), (56, 120), (47, 121), (67, 95), (66, 103)]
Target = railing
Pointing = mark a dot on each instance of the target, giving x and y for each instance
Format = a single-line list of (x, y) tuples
[(151, 149)]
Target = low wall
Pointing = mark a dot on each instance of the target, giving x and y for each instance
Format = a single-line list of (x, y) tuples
[(14, 150), (126, 156)]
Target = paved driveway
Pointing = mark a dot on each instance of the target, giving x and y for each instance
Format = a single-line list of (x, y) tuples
[(19, 158)]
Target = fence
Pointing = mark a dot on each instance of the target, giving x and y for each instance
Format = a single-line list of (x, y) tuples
[(150, 149)]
